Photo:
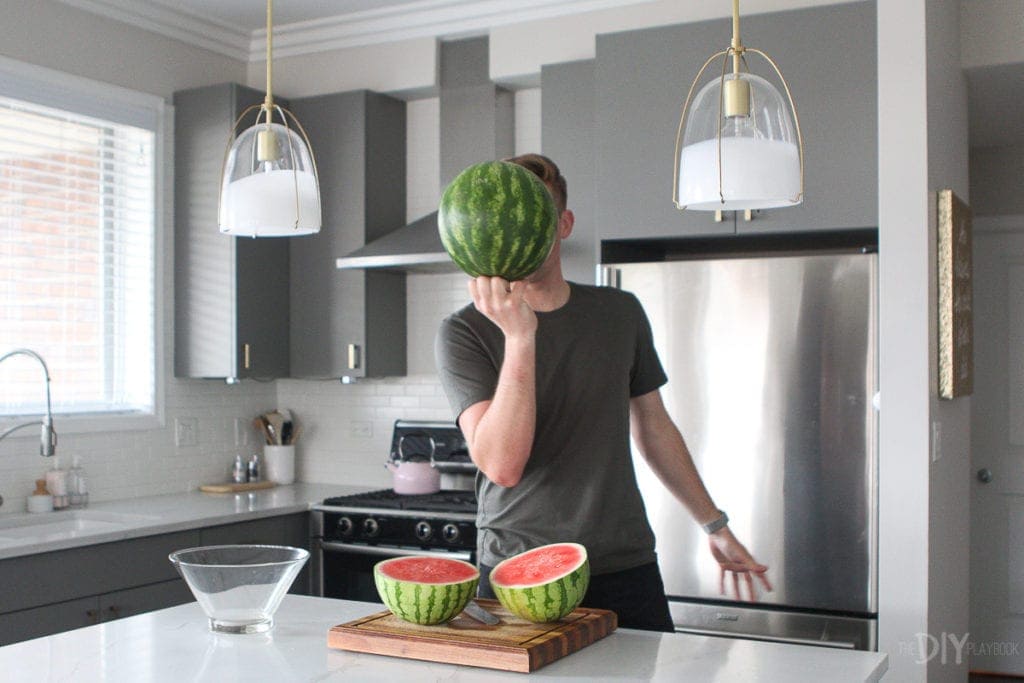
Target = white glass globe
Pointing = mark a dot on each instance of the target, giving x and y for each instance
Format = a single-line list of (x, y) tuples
[(760, 156), (275, 198)]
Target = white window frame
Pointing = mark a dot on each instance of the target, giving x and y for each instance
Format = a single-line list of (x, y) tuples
[(59, 90)]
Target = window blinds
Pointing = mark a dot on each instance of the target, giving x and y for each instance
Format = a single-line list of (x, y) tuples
[(77, 257)]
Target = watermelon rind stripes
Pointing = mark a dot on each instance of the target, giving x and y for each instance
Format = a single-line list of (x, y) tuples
[(424, 603), (497, 219), (548, 600)]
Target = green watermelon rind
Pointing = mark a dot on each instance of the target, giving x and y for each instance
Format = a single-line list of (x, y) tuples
[(481, 247), (547, 601), (426, 604)]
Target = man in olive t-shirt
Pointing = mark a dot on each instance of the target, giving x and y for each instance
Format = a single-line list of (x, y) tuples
[(547, 379)]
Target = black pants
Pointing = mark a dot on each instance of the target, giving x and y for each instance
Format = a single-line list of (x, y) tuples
[(637, 596)]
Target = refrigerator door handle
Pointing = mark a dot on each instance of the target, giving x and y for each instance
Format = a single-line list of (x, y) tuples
[(611, 277)]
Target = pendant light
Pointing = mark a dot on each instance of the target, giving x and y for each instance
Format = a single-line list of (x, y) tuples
[(739, 147), (269, 187)]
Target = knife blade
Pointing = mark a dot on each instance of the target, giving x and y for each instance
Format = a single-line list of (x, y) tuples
[(478, 613)]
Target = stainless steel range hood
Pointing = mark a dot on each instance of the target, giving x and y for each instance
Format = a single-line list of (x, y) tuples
[(477, 124)]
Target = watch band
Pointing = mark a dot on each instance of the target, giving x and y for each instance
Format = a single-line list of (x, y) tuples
[(714, 525)]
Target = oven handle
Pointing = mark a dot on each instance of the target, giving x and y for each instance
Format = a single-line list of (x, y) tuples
[(391, 551)]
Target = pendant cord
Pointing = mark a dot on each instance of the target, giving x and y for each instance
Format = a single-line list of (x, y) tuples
[(269, 101), (737, 45)]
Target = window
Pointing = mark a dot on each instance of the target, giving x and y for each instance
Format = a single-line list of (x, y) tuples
[(79, 172)]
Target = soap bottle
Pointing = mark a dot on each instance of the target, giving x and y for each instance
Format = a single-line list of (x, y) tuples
[(78, 491), (253, 473), (239, 472), (57, 485), (40, 500)]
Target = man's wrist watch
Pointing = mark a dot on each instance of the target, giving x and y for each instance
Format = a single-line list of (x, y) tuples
[(716, 524)]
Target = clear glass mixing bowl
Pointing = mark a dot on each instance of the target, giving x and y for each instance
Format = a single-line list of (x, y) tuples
[(239, 586)]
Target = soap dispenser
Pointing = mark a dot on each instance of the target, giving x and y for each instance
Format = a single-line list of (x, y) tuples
[(78, 491), (57, 485), (40, 500)]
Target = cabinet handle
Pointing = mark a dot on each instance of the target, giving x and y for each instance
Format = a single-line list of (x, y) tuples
[(245, 353), (354, 356), (93, 616), (115, 611)]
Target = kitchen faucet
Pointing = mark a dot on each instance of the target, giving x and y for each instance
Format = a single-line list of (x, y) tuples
[(48, 437)]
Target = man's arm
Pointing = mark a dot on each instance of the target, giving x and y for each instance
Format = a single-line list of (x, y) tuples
[(500, 431), (663, 448)]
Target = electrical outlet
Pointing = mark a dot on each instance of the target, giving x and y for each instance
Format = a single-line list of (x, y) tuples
[(242, 429), (186, 431), (936, 441), (360, 429)]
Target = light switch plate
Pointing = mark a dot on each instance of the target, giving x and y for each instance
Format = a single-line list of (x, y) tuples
[(186, 431)]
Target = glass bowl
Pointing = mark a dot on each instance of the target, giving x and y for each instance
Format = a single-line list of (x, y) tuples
[(239, 586)]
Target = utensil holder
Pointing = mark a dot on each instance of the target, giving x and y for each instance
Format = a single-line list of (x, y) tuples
[(279, 463)]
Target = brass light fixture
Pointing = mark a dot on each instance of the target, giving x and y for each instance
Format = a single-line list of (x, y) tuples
[(269, 186), (739, 147)]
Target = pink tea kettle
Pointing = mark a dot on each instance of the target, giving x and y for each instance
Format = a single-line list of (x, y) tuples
[(414, 473)]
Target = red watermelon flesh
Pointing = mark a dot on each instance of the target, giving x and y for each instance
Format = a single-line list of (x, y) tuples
[(429, 570)]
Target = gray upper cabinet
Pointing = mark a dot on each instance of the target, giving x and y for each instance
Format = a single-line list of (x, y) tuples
[(567, 137), (231, 293), (350, 323), (828, 57)]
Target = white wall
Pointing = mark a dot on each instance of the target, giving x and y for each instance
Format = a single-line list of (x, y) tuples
[(924, 518)]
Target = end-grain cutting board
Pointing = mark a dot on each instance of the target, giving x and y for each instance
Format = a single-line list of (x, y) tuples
[(512, 645)]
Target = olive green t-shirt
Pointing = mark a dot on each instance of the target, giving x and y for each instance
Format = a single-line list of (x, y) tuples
[(593, 354)]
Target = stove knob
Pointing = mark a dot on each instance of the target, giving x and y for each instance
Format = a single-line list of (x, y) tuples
[(424, 531), (345, 526), (370, 527), (450, 532)]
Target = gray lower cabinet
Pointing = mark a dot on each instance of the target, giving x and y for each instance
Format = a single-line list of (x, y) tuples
[(66, 589), (290, 530), (350, 323), (230, 293), (828, 57)]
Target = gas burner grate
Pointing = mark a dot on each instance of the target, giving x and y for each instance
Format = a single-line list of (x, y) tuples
[(443, 501)]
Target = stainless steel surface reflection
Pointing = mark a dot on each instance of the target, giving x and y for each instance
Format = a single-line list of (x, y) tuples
[(771, 365)]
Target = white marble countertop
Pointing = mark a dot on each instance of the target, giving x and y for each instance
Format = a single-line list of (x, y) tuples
[(175, 645), (28, 534)]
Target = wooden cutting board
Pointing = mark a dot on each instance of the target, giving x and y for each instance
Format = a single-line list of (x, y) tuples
[(236, 488), (514, 644)]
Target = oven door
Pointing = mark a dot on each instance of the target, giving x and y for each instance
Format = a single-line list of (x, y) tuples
[(346, 569)]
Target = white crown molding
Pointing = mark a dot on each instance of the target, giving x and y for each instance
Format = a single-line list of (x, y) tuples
[(417, 19), (200, 31)]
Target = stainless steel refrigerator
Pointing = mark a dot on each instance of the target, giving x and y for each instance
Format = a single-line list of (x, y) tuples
[(769, 343)]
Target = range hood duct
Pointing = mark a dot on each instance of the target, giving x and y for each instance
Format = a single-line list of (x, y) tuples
[(477, 124)]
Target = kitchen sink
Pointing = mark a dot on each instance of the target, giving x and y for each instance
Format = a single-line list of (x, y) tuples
[(52, 526)]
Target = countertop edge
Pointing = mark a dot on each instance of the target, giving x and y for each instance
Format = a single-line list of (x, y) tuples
[(170, 513)]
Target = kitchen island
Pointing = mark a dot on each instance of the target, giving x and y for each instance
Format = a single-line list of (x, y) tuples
[(175, 645)]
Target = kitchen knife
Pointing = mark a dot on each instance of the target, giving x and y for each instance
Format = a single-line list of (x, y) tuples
[(478, 613)]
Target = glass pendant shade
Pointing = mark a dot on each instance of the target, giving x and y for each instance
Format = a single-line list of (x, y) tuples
[(746, 161), (270, 186)]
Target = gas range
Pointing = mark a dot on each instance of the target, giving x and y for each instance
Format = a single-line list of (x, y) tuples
[(443, 520), (351, 534)]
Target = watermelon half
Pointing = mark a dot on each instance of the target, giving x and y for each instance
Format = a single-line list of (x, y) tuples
[(497, 219), (425, 590), (543, 584)]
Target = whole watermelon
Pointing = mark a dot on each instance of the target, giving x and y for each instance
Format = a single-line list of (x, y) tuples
[(497, 219), (543, 584)]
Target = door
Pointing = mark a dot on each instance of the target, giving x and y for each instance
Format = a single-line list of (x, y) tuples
[(997, 448)]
